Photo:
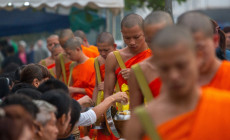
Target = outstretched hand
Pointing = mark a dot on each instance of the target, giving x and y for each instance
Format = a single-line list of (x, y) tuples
[(86, 101), (120, 97)]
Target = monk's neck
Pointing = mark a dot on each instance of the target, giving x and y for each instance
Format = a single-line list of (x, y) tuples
[(82, 59), (188, 101), (207, 76), (143, 48)]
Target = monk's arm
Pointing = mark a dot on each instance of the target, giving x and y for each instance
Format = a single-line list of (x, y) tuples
[(58, 68), (77, 90), (136, 97), (133, 129), (110, 76)]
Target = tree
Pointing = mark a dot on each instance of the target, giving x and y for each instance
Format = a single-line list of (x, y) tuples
[(154, 4)]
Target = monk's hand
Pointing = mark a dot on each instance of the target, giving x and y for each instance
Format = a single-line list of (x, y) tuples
[(120, 97), (101, 86), (125, 73), (86, 101)]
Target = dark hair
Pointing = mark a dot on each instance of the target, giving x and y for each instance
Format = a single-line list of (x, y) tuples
[(13, 121), (11, 67), (226, 29), (52, 84), (75, 113), (22, 100), (222, 41), (10, 49), (17, 73), (32, 71), (4, 87), (32, 93), (60, 99), (18, 86), (10, 76)]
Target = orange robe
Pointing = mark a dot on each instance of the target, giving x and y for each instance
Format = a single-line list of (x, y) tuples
[(51, 66), (221, 78), (89, 52), (208, 121), (136, 59), (155, 86), (100, 135), (84, 77)]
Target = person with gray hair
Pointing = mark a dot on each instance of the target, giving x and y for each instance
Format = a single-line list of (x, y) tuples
[(46, 121), (83, 73), (153, 23)]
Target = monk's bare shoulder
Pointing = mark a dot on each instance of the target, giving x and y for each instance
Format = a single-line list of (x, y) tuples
[(111, 61), (148, 67)]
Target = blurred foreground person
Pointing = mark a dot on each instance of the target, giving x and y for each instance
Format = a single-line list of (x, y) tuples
[(181, 111)]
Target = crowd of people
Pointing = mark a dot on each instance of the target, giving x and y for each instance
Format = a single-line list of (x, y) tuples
[(169, 82)]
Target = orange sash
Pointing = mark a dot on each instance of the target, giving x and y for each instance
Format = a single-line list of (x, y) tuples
[(136, 59), (155, 86), (209, 121), (221, 78)]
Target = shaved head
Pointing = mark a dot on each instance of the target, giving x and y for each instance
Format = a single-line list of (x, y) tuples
[(52, 36), (171, 36), (73, 43), (132, 20), (105, 37), (80, 34), (65, 35), (196, 22), (158, 17)]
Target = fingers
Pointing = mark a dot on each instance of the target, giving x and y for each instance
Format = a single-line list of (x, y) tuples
[(125, 73)]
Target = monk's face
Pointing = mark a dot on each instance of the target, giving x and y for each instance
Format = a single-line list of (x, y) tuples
[(133, 37), (56, 52), (177, 67), (206, 48), (105, 48), (51, 42), (72, 54), (151, 30)]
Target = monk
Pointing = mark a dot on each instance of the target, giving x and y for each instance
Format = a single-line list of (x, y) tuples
[(62, 61), (49, 62), (105, 44), (66, 62), (213, 72), (136, 51), (183, 110), (152, 24), (83, 73), (86, 44)]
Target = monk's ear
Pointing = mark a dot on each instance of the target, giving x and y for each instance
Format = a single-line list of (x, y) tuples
[(36, 82), (39, 129), (216, 40)]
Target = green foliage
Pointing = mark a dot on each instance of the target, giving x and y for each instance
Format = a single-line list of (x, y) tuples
[(154, 4)]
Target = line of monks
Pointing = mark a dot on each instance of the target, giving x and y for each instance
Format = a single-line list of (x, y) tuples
[(178, 88)]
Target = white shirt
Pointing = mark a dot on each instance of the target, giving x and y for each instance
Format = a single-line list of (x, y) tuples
[(87, 118)]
